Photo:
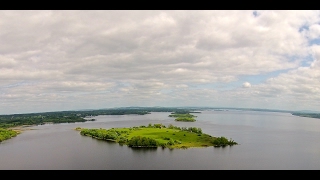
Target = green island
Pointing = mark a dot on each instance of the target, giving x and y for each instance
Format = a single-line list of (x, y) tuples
[(183, 116), (158, 135)]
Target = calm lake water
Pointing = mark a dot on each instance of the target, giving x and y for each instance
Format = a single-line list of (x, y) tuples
[(267, 141)]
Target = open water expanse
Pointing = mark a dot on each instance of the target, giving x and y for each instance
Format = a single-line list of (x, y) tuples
[(267, 141)]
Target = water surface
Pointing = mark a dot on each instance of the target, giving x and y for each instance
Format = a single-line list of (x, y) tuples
[(267, 141)]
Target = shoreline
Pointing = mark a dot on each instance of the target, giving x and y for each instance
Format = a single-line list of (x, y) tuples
[(21, 128)]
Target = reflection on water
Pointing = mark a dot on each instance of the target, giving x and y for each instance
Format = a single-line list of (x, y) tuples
[(266, 141), (143, 150)]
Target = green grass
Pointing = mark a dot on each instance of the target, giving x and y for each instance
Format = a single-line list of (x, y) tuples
[(7, 134)]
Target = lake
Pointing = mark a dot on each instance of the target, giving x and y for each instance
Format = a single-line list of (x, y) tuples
[(267, 141)]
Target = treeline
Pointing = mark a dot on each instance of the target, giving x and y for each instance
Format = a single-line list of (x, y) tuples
[(310, 115), (12, 120), (223, 141), (19, 120), (188, 129), (130, 110)]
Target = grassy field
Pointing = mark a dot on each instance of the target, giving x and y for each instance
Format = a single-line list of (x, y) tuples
[(157, 135)]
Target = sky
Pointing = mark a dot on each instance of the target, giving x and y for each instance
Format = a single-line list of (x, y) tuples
[(58, 60)]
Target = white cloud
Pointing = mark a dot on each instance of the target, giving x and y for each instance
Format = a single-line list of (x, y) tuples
[(246, 85), (314, 31), (7, 62), (120, 58)]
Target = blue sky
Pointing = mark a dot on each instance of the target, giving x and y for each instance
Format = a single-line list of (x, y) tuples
[(69, 60)]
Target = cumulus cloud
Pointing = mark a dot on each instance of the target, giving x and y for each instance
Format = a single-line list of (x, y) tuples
[(120, 58), (246, 85)]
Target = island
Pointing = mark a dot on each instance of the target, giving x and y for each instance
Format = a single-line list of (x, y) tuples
[(158, 135), (183, 116)]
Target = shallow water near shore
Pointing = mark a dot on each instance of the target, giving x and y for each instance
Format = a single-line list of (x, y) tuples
[(267, 141)]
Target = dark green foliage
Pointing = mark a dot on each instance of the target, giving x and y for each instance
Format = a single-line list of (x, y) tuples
[(184, 116), (138, 141), (31, 119), (189, 129), (122, 140), (101, 134), (223, 141), (192, 129), (181, 111), (170, 142), (157, 126)]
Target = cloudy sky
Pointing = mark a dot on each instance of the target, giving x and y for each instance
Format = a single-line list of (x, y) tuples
[(71, 60)]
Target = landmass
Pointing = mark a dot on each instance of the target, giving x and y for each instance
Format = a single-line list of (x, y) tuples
[(186, 117), (13, 122), (7, 134), (310, 115), (158, 135)]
